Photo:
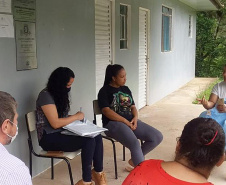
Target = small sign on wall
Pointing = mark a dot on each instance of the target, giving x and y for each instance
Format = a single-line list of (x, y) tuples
[(5, 6), (24, 10), (6, 26), (25, 45)]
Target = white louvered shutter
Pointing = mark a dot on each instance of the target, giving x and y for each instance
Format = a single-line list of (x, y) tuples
[(102, 39), (143, 58)]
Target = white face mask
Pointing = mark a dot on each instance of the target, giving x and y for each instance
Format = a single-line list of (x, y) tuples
[(13, 137)]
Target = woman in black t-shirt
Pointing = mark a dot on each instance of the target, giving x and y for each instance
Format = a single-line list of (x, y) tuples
[(120, 116)]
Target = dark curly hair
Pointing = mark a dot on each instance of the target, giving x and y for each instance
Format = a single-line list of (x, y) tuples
[(111, 70), (56, 86), (202, 143)]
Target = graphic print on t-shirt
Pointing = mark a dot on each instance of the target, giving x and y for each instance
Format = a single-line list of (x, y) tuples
[(121, 104)]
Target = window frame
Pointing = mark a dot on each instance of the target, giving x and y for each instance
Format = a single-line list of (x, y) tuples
[(190, 26), (125, 30), (170, 16)]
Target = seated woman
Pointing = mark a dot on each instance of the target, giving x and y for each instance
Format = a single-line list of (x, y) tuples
[(199, 149), (52, 107), (218, 91), (120, 116), (216, 104)]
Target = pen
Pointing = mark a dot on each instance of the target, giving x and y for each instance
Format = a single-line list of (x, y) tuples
[(83, 118)]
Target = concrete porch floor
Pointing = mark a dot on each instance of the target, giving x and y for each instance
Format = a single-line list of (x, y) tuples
[(169, 115)]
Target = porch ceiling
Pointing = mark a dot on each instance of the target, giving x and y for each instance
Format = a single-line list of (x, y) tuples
[(202, 5)]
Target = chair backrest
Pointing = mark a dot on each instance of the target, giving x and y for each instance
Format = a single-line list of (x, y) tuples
[(97, 113), (31, 126), (96, 108), (31, 121)]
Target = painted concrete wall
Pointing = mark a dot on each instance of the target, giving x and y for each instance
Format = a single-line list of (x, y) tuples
[(170, 70), (66, 37)]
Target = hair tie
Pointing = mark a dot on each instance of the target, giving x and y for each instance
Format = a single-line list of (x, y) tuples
[(212, 139)]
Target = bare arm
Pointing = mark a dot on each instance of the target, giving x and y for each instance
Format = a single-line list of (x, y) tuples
[(51, 114), (135, 117), (134, 111), (114, 116), (209, 104)]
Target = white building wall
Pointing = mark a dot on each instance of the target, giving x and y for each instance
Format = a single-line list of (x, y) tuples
[(170, 70), (66, 37)]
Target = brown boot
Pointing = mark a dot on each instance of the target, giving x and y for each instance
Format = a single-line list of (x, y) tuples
[(99, 178), (81, 182)]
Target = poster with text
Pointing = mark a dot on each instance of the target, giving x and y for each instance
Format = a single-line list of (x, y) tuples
[(24, 10), (6, 26), (5, 6), (25, 45)]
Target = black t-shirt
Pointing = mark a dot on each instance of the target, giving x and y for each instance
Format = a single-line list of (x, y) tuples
[(119, 100)]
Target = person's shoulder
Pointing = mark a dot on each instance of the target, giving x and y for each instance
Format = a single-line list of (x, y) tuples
[(44, 92), (10, 162), (151, 162), (126, 88), (223, 83), (103, 89), (45, 98)]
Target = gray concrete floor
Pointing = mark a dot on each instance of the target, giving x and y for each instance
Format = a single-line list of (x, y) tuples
[(169, 116)]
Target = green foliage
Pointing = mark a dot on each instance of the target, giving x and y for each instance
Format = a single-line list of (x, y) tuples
[(206, 92), (211, 43)]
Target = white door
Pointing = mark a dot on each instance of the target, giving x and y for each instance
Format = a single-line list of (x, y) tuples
[(102, 40), (143, 56)]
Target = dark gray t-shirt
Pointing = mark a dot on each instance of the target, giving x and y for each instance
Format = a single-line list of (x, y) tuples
[(42, 124)]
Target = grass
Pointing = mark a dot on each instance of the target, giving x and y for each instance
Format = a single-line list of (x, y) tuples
[(206, 92)]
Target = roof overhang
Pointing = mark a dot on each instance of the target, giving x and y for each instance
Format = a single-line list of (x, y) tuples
[(203, 5)]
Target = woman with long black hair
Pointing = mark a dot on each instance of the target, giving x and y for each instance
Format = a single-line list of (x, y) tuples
[(120, 116), (52, 107)]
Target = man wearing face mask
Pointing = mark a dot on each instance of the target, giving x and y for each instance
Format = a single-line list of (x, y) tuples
[(12, 169)]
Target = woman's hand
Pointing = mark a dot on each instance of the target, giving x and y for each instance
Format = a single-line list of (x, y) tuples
[(134, 123), (203, 101), (80, 115), (208, 104), (221, 108)]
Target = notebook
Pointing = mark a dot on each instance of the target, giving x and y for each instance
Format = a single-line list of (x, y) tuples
[(83, 128)]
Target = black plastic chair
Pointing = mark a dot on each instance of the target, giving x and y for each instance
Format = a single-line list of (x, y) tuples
[(66, 156)]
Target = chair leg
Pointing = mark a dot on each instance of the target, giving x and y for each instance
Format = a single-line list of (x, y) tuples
[(115, 162), (31, 164), (124, 156), (52, 169), (141, 142), (69, 169)]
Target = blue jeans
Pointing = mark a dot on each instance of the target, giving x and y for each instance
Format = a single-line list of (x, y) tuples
[(129, 138)]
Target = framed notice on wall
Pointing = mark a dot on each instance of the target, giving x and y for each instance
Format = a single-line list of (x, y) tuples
[(25, 45), (24, 10), (5, 6)]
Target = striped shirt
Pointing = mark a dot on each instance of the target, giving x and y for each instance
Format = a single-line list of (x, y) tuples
[(12, 170)]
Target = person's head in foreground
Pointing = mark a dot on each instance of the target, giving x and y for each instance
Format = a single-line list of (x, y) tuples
[(8, 118), (199, 149)]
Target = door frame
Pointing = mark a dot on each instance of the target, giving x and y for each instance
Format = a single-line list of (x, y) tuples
[(148, 53)]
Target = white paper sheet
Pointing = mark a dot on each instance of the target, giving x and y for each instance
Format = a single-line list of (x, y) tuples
[(5, 6), (86, 128), (6, 26)]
